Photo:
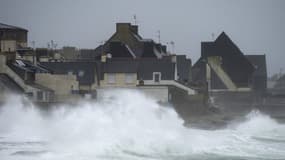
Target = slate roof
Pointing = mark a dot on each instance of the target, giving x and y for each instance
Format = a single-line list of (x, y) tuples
[(259, 62), (143, 67), (6, 26), (76, 68), (92, 54), (234, 62), (144, 47), (26, 70), (199, 71), (183, 68), (119, 49), (98, 52), (35, 68), (149, 65), (87, 54), (120, 66)]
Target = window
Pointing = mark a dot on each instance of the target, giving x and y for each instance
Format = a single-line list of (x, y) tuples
[(111, 78), (40, 96), (70, 73), (156, 76), (81, 73), (129, 78), (30, 94)]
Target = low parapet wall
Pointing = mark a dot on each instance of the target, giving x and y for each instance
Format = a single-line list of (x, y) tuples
[(63, 85)]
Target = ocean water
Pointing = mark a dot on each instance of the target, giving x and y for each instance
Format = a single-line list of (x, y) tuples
[(127, 125)]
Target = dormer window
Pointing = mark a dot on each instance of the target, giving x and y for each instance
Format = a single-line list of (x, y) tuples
[(70, 73), (156, 76), (81, 73)]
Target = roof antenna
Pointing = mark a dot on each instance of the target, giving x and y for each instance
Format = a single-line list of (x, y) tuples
[(158, 36), (135, 19), (213, 36), (173, 46), (33, 44), (280, 72)]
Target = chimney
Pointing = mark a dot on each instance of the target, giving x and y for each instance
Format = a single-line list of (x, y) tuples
[(123, 27)]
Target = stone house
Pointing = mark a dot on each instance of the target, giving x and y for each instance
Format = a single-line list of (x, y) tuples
[(20, 72), (12, 38), (223, 67)]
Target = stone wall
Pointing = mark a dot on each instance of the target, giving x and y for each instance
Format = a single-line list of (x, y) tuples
[(8, 46), (63, 85)]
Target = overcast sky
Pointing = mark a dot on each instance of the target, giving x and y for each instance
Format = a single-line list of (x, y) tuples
[(256, 26)]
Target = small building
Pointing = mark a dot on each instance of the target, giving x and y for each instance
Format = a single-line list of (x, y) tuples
[(19, 70), (130, 61), (71, 79), (223, 66), (12, 38), (69, 53), (127, 42)]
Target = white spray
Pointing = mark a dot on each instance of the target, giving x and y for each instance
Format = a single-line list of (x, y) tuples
[(126, 125)]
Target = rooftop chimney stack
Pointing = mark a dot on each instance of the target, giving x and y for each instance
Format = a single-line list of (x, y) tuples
[(123, 27), (126, 27)]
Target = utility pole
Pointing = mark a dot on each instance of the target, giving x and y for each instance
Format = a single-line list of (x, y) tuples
[(52, 44), (172, 46), (135, 19), (33, 44)]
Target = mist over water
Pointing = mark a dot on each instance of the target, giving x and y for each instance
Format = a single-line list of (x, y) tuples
[(129, 125)]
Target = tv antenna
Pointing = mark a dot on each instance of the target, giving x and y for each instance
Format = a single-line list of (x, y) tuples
[(135, 19), (33, 44), (280, 72), (213, 36), (158, 36)]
